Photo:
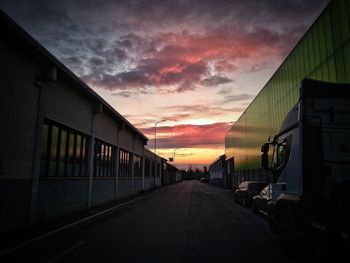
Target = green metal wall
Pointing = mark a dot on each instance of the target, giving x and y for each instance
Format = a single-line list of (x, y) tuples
[(323, 53)]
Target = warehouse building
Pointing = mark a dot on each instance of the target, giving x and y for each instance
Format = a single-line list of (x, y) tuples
[(64, 148), (153, 178), (323, 54), (171, 174), (217, 172)]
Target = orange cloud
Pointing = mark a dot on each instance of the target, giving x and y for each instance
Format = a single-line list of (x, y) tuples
[(189, 136)]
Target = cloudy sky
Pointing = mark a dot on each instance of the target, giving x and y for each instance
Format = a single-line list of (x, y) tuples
[(195, 63)]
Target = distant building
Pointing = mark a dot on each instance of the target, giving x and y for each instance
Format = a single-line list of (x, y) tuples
[(217, 172), (171, 174)]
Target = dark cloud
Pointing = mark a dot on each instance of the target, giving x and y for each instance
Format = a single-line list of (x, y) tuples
[(238, 97), (123, 43), (256, 67), (210, 110), (151, 73), (73, 61), (142, 43), (215, 81), (177, 117), (148, 120), (96, 61), (124, 94), (119, 54), (124, 80), (97, 45), (225, 66), (150, 14)]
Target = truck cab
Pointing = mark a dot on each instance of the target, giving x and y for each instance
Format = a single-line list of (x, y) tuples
[(311, 164)]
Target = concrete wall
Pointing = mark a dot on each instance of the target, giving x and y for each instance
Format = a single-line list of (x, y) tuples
[(147, 183), (14, 203), (158, 181), (57, 197), (106, 129), (126, 139), (18, 108), (137, 185), (124, 187), (103, 190), (138, 146), (67, 106)]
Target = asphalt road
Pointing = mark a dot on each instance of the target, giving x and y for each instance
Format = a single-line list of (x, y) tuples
[(186, 222)]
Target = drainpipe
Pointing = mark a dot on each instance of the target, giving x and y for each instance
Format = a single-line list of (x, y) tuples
[(116, 167), (40, 82), (98, 108)]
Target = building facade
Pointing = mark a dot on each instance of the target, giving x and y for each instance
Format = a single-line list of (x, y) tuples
[(217, 172), (322, 53), (64, 148)]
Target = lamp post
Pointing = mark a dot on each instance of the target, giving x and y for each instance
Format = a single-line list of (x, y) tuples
[(155, 149), (155, 136), (174, 156)]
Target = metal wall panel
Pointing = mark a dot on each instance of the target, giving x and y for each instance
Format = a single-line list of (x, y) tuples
[(323, 53)]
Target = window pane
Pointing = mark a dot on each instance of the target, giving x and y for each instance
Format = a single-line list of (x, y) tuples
[(83, 158), (97, 159), (62, 157), (53, 151), (77, 155), (63, 151), (70, 154), (109, 162)]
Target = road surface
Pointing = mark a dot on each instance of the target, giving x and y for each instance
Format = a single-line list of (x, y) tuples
[(186, 222)]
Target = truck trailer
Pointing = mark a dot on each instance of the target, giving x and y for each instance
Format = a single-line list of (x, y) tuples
[(311, 169)]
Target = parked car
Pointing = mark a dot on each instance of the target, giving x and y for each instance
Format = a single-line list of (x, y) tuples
[(204, 180), (246, 190), (261, 201)]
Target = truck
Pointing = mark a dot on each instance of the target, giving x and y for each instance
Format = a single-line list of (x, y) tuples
[(310, 166)]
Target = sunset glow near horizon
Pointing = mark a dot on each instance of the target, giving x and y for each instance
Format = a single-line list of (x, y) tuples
[(195, 64)]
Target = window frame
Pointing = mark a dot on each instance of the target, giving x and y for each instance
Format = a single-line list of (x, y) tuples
[(104, 159), (62, 159)]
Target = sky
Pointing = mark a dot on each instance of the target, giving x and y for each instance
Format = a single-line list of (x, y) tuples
[(197, 64)]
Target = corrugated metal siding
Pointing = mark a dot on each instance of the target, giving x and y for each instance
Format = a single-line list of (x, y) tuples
[(323, 53)]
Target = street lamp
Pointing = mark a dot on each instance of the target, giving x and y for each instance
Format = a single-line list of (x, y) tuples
[(155, 136), (174, 156), (155, 149)]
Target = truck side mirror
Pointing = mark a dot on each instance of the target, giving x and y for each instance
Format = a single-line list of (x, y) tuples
[(265, 148), (264, 157), (265, 161)]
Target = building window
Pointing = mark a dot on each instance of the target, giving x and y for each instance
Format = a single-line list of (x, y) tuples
[(137, 166), (124, 163), (103, 159), (64, 151)]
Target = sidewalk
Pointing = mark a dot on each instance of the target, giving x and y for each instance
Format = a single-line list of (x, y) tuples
[(28, 233)]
